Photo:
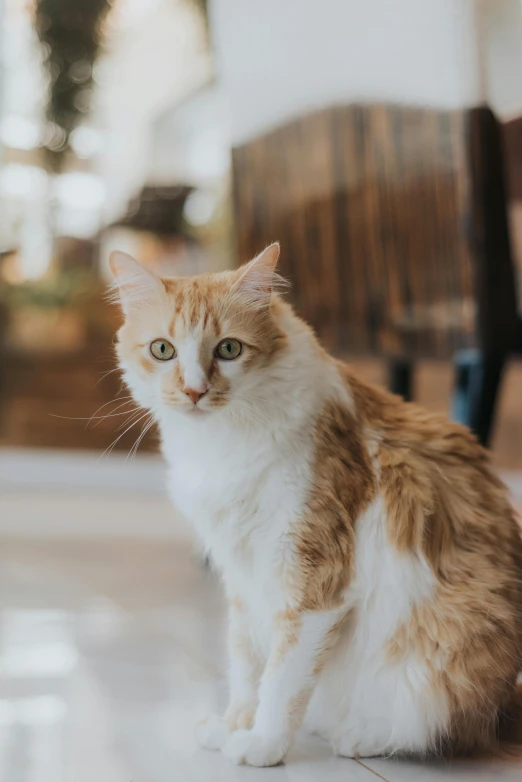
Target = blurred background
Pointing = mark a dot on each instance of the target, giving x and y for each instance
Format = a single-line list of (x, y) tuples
[(380, 143), (112, 136), (382, 146)]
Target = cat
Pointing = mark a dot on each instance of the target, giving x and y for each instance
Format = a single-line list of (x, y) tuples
[(370, 557)]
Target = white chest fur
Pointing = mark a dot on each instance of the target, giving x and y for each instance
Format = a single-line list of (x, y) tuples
[(243, 490)]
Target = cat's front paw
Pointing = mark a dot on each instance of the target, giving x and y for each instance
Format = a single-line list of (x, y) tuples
[(240, 714), (255, 749), (212, 732), (355, 742)]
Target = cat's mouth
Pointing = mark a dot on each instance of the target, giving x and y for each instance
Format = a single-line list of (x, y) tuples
[(181, 405), (195, 410), (202, 408)]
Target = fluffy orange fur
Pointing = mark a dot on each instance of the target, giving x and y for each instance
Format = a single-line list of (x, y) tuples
[(442, 499)]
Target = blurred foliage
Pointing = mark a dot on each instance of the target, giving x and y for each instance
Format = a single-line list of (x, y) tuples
[(202, 5), (62, 289), (70, 32)]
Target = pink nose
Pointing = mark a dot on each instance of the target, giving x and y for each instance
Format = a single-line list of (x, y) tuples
[(193, 394)]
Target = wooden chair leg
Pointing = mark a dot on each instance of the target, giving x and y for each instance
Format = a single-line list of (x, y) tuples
[(400, 378), (477, 383)]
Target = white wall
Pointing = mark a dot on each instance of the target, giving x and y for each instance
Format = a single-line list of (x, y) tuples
[(500, 23), (190, 143), (2, 32), (154, 57), (278, 58)]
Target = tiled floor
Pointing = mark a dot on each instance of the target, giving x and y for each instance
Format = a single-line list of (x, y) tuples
[(111, 641)]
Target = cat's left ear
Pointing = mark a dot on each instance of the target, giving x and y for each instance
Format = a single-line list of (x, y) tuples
[(134, 286), (258, 278)]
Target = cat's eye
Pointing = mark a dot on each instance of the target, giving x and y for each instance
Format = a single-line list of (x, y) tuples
[(229, 349), (162, 350)]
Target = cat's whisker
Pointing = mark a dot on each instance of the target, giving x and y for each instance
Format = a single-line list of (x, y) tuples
[(106, 374), (91, 417), (109, 449), (139, 440), (260, 408), (240, 415), (249, 414), (133, 415), (133, 451), (126, 400), (123, 412), (101, 418), (254, 415), (111, 401), (238, 410), (85, 418), (254, 418), (121, 399), (257, 411)]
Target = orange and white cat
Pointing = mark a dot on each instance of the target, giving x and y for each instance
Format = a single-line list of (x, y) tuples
[(370, 557)]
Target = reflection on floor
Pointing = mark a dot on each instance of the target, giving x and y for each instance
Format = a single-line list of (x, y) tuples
[(111, 648)]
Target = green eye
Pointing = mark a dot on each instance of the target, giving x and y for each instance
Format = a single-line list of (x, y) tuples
[(162, 350), (229, 349)]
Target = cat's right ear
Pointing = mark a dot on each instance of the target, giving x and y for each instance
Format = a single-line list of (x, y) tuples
[(257, 280), (133, 285)]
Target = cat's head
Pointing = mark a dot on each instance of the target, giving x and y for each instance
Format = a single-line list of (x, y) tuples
[(200, 344)]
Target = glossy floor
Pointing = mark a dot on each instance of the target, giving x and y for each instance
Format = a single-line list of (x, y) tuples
[(111, 648)]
